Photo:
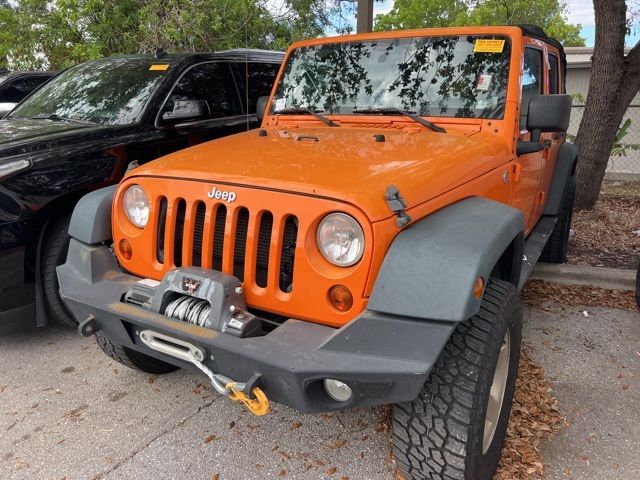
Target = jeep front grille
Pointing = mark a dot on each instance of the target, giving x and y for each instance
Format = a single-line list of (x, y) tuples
[(247, 254)]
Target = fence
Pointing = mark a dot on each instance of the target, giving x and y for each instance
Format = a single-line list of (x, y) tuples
[(626, 162)]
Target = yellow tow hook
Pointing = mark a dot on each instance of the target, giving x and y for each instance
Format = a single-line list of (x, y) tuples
[(259, 406)]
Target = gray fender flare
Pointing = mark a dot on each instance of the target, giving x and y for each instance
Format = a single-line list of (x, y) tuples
[(91, 218), (565, 167), (431, 267)]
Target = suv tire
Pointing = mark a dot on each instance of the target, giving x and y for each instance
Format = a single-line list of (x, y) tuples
[(132, 359), (556, 249), (54, 253), (440, 435)]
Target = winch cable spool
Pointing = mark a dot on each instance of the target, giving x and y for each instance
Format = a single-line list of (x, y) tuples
[(189, 309), (234, 390)]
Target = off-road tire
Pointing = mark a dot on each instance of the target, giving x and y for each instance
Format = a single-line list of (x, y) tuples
[(439, 435), (54, 252), (132, 359), (556, 249)]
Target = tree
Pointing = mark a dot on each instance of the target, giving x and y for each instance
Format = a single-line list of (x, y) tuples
[(56, 34), (548, 14), (615, 80)]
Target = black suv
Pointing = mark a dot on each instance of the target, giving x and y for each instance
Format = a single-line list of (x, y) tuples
[(14, 86), (83, 130)]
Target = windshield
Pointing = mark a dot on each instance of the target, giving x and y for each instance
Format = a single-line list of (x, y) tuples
[(459, 76), (107, 92)]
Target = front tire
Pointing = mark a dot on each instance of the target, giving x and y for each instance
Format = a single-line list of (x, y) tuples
[(131, 358), (54, 253), (455, 429)]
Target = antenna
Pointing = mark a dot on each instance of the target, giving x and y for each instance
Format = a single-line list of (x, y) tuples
[(246, 72)]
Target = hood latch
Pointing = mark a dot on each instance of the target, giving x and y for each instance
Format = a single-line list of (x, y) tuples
[(397, 204)]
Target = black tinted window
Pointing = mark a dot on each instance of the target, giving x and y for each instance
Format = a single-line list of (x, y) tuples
[(554, 80), (207, 90), (261, 77), (15, 90), (531, 81)]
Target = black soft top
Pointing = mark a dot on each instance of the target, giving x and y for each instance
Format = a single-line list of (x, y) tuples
[(535, 31)]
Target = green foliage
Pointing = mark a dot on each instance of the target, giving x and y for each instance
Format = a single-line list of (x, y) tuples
[(55, 34), (619, 148), (548, 14)]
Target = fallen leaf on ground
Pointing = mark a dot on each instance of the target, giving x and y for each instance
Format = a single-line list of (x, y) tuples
[(538, 293)]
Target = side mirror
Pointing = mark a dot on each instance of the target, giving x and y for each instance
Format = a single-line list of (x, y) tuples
[(261, 107), (6, 107), (187, 109), (547, 113)]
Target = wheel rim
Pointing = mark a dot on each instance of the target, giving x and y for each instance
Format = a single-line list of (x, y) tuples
[(496, 393)]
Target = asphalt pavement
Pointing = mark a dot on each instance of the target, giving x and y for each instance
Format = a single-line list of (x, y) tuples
[(68, 412)]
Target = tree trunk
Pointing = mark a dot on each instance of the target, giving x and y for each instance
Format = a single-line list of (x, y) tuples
[(615, 80)]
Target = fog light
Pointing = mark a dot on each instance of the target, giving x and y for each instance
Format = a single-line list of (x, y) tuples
[(125, 249), (341, 298), (339, 391)]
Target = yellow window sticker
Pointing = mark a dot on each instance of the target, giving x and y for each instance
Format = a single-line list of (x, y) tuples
[(159, 67), (488, 45)]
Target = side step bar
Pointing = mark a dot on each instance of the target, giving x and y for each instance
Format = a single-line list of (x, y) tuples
[(534, 245)]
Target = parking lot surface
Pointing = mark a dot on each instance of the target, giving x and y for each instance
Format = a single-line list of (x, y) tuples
[(68, 412)]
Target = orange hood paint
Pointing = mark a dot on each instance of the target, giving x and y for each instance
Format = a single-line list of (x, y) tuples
[(343, 163)]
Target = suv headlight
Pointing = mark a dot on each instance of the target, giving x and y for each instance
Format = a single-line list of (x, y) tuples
[(340, 239), (136, 206)]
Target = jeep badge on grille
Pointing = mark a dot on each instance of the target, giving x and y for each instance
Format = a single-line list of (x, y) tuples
[(190, 285), (222, 195)]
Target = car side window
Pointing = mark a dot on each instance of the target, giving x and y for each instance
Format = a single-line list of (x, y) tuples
[(206, 91), (261, 77), (15, 90), (531, 81), (554, 77)]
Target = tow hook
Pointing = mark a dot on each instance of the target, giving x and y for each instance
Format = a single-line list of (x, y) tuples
[(235, 390)]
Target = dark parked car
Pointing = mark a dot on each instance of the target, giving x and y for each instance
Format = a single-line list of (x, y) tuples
[(15, 86), (83, 130)]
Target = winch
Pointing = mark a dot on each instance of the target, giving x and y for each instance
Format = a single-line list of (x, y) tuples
[(206, 298)]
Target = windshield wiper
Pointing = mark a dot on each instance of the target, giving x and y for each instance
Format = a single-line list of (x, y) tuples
[(308, 111), (58, 118), (397, 111)]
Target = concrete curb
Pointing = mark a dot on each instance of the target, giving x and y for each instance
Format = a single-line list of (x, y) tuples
[(599, 277)]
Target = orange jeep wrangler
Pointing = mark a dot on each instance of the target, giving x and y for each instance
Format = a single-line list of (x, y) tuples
[(365, 246)]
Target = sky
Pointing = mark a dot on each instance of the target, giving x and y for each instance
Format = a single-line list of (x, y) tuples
[(578, 11)]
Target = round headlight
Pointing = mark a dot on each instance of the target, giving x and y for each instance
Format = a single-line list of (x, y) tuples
[(341, 239), (136, 206)]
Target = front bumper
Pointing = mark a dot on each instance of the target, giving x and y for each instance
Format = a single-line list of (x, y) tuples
[(384, 359)]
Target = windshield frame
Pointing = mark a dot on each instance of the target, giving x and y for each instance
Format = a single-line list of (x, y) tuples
[(146, 113), (512, 36)]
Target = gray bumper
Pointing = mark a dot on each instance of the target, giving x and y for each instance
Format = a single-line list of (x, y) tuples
[(385, 359)]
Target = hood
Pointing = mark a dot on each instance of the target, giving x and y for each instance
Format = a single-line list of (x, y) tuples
[(347, 164), (23, 135)]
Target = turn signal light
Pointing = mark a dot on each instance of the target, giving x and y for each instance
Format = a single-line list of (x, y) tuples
[(341, 298), (125, 249), (478, 288)]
